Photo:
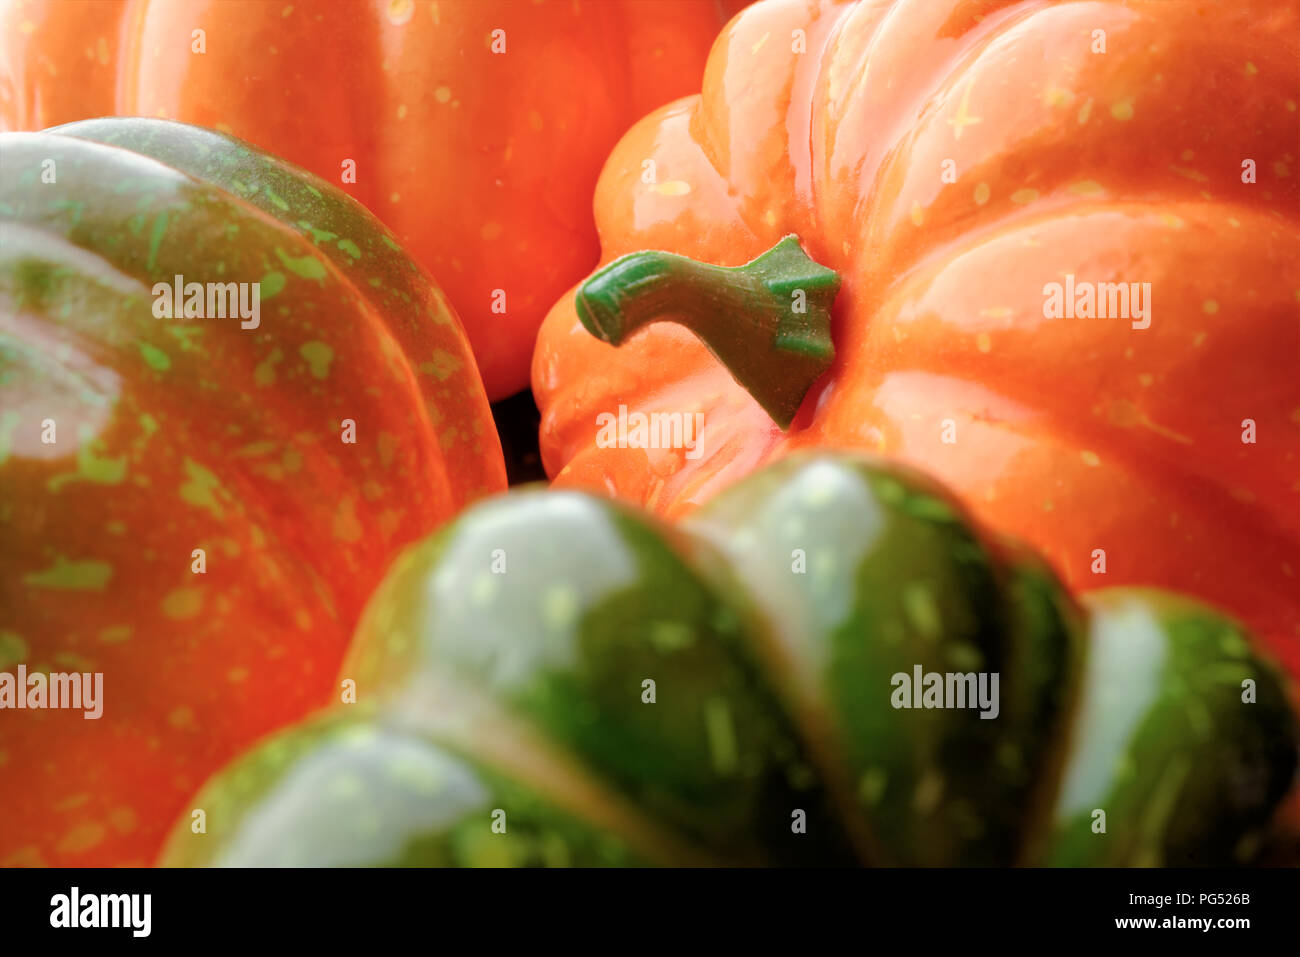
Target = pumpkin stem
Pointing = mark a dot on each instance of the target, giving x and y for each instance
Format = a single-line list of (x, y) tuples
[(768, 321)]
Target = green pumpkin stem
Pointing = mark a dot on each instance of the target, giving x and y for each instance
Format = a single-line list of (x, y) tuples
[(768, 321)]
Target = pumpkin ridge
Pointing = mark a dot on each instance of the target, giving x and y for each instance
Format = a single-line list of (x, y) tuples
[(367, 307)]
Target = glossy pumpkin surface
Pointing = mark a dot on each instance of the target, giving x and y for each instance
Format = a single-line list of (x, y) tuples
[(181, 508), (476, 127), (555, 679), (949, 161)]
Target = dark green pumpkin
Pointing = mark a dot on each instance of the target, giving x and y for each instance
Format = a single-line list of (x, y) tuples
[(503, 713)]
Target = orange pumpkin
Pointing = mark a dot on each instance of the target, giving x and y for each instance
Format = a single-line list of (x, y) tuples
[(967, 169), (473, 128)]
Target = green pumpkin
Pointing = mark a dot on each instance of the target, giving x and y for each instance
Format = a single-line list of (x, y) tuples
[(554, 679)]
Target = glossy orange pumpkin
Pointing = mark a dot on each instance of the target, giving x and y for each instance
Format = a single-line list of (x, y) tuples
[(476, 127), (197, 508), (951, 161)]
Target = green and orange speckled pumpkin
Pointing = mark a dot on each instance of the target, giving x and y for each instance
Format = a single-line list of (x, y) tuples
[(729, 690), (129, 442)]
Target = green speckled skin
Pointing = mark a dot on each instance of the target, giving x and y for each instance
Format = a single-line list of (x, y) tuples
[(1162, 741), (510, 651), (371, 793)]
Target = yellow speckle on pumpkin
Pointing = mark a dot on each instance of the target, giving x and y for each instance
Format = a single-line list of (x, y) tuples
[(1086, 187), (672, 187), (1290, 105), (1090, 459), (983, 342), (81, 837), (123, 819), (401, 112), (1194, 175), (1055, 96), (264, 374), (982, 192), (1210, 307), (1186, 155), (1199, 338), (770, 217), (201, 488), (347, 528), (535, 122), (441, 366), (1122, 110), (183, 603), (115, 634), (761, 40), (1024, 196), (995, 312), (1145, 379), (1085, 111), (442, 94), (1280, 169), (963, 118), (318, 357), (918, 214), (929, 792), (1172, 221), (1251, 69), (490, 230)]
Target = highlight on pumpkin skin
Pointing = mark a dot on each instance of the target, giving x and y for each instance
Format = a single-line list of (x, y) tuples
[(767, 321)]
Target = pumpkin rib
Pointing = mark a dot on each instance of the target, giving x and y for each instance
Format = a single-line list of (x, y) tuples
[(411, 308), (441, 708), (949, 348), (1199, 492), (899, 154)]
